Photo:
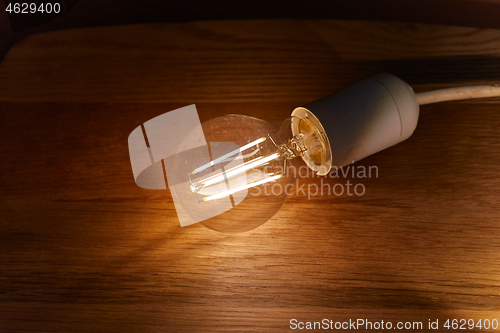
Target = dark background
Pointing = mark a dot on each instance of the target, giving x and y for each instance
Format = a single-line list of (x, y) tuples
[(88, 13)]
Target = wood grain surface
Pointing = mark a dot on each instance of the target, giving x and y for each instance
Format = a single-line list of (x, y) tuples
[(83, 249)]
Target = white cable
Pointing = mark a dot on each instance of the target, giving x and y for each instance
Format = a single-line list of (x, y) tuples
[(458, 93)]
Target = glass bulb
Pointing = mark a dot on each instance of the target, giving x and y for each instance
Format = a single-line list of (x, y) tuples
[(241, 178)]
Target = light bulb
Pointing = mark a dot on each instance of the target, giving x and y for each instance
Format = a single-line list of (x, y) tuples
[(231, 173), (239, 179), (243, 181)]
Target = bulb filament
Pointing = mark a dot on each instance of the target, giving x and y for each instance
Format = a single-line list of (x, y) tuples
[(290, 149), (226, 156), (196, 186), (241, 188)]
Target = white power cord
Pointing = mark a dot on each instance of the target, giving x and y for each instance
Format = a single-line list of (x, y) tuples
[(458, 93)]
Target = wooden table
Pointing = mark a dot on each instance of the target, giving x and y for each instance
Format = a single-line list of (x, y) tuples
[(83, 249)]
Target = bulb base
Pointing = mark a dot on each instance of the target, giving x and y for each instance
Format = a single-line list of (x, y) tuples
[(362, 119), (316, 151)]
